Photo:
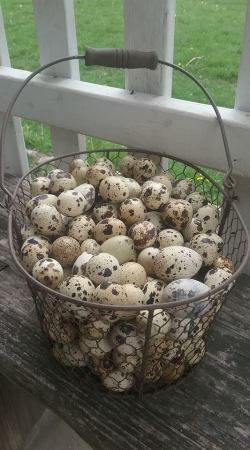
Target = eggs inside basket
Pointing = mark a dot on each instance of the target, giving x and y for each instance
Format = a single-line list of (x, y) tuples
[(129, 236)]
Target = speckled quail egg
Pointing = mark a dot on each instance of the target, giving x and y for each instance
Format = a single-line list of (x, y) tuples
[(163, 179), (152, 370), (79, 173), (127, 165), (133, 273), (48, 271), (108, 228), (194, 227), (152, 291), (223, 262), (172, 372), (78, 162), (143, 234), (113, 189), (177, 214), (69, 355), (215, 277), (47, 220), (194, 351), (31, 253), (47, 199), (81, 228), (59, 330), (206, 247), (37, 239), (146, 259), (182, 188), (143, 169), (79, 267), (132, 210), (121, 332), (103, 161), (134, 189), (88, 192), (161, 322), (122, 247), (104, 211), (154, 195), (172, 263), (60, 182), (103, 267), (53, 172), (94, 347), (169, 237), (133, 346), (94, 328), (209, 216), (155, 218), (173, 353), (185, 328), (117, 381), (71, 203), (40, 185), (125, 363), (77, 287), (101, 367), (27, 231), (113, 294), (65, 250), (90, 246), (217, 240), (135, 296), (197, 200), (97, 173)]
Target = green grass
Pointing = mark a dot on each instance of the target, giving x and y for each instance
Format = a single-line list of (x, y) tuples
[(208, 42)]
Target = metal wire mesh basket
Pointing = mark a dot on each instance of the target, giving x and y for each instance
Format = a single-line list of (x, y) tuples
[(142, 343)]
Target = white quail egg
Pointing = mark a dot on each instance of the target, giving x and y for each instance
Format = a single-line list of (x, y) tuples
[(133, 187), (143, 169), (94, 328), (223, 262), (81, 228), (79, 267), (132, 210), (65, 250), (103, 267), (60, 182), (152, 291), (47, 220), (103, 161), (79, 173), (71, 203), (154, 195), (172, 263), (31, 253), (127, 165), (121, 332), (37, 239), (215, 277), (169, 237), (206, 247), (194, 227), (90, 246), (161, 322), (217, 240), (163, 179), (177, 214), (48, 271), (194, 351), (88, 192), (155, 218), (113, 189), (40, 185), (78, 162), (133, 273), (94, 347), (47, 199), (146, 259), (97, 173), (197, 200), (117, 381), (69, 355), (122, 247), (104, 211), (143, 234), (182, 188), (107, 228), (28, 231), (209, 216)]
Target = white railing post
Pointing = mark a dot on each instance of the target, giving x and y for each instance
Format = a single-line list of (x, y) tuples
[(16, 162), (55, 24)]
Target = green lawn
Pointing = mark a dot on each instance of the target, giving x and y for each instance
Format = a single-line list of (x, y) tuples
[(208, 40)]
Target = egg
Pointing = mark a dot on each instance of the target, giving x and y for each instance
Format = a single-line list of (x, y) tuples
[(48, 271), (79, 288), (108, 228), (125, 363), (71, 203), (194, 227), (90, 246), (79, 267), (143, 170), (168, 237), (217, 240), (31, 253), (194, 351), (94, 328), (28, 231), (94, 347), (155, 218), (172, 354), (146, 259), (79, 174), (122, 247), (104, 211), (177, 214), (37, 239), (65, 250), (215, 277), (143, 234), (133, 273), (134, 189), (65, 224), (58, 330), (47, 199), (161, 322), (157, 347), (81, 228), (113, 294), (101, 367), (132, 210), (96, 174), (113, 189), (120, 332), (135, 296), (103, 267), (183, 329), (209, 216), (197, 200), (126, 165), (172, 263), (117, 381), (206, 247), (88, 192), (152, 370), (105, 162), (173, 372), (182, 188), (152, 291), (132, 347), (154, 195), (60, 182), (223, 262), (69, 355), (40, 185), (54, 172), (47, 220), (163, 179)]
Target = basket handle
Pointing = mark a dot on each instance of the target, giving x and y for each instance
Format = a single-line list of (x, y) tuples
[(118, 58)]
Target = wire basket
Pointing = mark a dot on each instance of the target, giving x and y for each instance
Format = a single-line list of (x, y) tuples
[(137, 346)]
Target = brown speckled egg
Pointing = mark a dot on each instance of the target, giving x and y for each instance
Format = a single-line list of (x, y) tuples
[(118, 381), (153, 291), (169, 237), (134, 189), (133, 273), (65, 250), (77, 287), (154, 195), (155, 218), (104, 211), (194, 227), (223, 262), (135, 296), (127, 165), (81, 228), (107, 228), (103, 267), (69, 355), (122, 247), (172, 263), (108, 293), (40, 185), (79, 267), (143, 170), (177, 214), (146, 259), (163, 179), (101, 367), (206, 247), (209, 216), (103, 161), (78, 163), (90, 246), (121, 332), (132, 210), (31, 253), (113, 189), (217, 240), (47, 199), (94, 328), (143, 234), (161, 323), (88, 192), (182, 188), (37, 239), (172, 372), (71, 203), (60, 182), (125, 363), (47, 220), (97, 173), (61, 331), (215, 277), (49, 272), (79, 173), (197, 200), (194, 350)]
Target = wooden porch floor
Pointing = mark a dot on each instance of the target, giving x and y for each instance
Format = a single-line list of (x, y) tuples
[(208, 410)]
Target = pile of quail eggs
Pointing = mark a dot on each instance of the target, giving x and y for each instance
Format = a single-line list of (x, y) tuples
[(131, 237)]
